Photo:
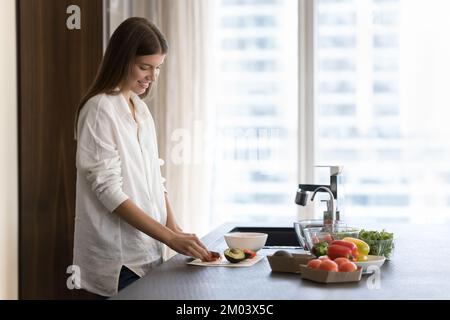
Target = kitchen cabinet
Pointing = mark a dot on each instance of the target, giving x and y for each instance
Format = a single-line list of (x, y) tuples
[(56, 67)]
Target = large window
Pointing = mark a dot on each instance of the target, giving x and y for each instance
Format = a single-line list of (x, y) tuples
[(255, 167), (382, 105), (374, 99)]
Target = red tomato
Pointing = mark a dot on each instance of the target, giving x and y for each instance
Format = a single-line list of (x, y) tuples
[(329, 265), (340, 261), (347, 267), (324, 258), (213, 256), (249, 254), (314, 264)]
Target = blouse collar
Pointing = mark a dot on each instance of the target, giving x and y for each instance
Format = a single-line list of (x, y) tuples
[(124, 108)]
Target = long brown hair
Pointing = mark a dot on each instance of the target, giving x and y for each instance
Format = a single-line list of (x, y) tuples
[(133, 37)]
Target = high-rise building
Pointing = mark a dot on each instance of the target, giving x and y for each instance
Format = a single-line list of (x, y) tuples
[(255, 160), (358, 102), (369, 55), (379, 109)]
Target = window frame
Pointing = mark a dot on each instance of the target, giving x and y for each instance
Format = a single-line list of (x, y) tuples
[(306, 94)]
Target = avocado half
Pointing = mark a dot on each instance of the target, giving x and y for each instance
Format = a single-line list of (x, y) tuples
[(234, 255)]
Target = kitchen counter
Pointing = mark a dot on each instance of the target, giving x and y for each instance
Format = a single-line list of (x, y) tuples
[(419, 270)]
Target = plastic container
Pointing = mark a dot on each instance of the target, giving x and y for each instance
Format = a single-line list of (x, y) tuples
[(381, 243), (383, 248), (317, 235), (299, 226)]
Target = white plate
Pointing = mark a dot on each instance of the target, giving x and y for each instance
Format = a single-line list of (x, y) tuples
[(371, 261), (223, 262)]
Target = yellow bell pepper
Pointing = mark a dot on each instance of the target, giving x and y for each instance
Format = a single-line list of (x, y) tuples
[(362, 258), (363, 247)]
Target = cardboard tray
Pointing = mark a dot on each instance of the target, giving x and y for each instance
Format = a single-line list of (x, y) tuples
[(322, 276), (289, 264)]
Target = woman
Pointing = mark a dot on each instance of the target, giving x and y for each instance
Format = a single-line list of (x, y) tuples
[(123, 215)]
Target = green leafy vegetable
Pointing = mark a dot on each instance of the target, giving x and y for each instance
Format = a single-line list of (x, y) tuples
[(320, 249), (381, 242)]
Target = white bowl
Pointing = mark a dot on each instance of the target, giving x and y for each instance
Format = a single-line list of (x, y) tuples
[(246, 240), (377, 261)]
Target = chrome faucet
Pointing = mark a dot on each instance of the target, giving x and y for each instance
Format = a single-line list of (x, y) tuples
[(329, 216), (332, 214)]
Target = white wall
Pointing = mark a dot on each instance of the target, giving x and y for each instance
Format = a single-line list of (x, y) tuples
[(8, 153)]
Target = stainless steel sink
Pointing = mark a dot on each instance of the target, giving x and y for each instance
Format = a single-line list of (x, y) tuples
[(277, 236)]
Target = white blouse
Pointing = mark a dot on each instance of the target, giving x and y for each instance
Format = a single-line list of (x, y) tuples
[(117, 159)]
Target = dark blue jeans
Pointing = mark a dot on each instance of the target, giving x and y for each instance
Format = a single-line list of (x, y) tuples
[(126, 277)]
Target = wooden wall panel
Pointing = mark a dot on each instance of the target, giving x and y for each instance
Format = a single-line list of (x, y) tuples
[(56, 66)]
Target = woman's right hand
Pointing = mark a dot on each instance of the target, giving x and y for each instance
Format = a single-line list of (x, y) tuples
[(188, 244)]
